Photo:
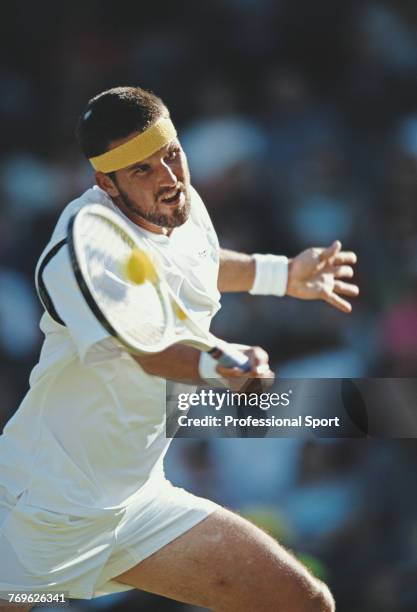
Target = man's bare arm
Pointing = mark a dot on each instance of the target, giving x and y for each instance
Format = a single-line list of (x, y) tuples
[(181, 363), (237, 271), (178, 362), (314, 274)]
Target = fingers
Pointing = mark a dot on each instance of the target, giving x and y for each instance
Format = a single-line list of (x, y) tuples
[(257, 357), (259, 361), (331, 251), (230, 372), (341, 271), (334, 256), (259, 367), (346, 288), (334, 300), (341, 288), (345, 257)]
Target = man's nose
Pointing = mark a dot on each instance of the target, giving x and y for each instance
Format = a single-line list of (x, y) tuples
[(168, 177)]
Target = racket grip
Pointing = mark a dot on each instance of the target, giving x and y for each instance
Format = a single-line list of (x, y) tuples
[(231, 359)]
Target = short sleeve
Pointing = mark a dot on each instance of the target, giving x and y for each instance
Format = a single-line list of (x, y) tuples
[(94, 344)]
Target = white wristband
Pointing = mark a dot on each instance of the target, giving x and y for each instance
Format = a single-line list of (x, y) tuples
[(207, 370), (271, 275)]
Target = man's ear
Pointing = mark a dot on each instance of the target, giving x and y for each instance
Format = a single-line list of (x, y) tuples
[(105, 182)]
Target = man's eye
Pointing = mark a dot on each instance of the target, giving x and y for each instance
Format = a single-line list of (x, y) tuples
[(141, 169)]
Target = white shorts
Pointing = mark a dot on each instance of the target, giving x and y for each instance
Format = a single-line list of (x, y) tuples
[(42, 550)]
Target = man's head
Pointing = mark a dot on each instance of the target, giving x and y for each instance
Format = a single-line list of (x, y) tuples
[(126, 124)]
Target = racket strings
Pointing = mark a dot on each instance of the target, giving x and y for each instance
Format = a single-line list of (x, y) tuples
[(136, 312)]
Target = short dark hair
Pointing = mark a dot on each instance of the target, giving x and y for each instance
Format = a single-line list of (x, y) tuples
[(114, 114)]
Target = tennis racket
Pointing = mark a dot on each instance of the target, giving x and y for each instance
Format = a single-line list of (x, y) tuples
[(125, 288)]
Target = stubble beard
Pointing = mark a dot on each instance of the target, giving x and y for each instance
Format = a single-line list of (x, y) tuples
[(178, 216)]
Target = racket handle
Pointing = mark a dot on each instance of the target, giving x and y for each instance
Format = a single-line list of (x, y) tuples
[(231, 359)]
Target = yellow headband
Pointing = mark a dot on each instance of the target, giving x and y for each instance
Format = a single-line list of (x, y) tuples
[(138, 148)]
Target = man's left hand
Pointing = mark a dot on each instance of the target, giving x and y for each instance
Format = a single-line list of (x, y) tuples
[(315, 274)]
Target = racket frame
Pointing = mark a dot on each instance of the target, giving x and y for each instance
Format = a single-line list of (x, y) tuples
[(198, 338)]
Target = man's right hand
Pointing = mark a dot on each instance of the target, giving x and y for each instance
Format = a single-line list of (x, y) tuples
[(259, 362)]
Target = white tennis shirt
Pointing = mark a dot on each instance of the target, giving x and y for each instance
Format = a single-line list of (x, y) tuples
[(90, 433)]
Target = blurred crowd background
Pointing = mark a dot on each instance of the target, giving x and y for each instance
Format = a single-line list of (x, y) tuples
[(300, 122)]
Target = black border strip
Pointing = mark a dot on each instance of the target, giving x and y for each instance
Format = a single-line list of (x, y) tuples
[(43, 293)]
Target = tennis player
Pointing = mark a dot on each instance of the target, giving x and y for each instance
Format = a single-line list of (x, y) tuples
[(84, 504)]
